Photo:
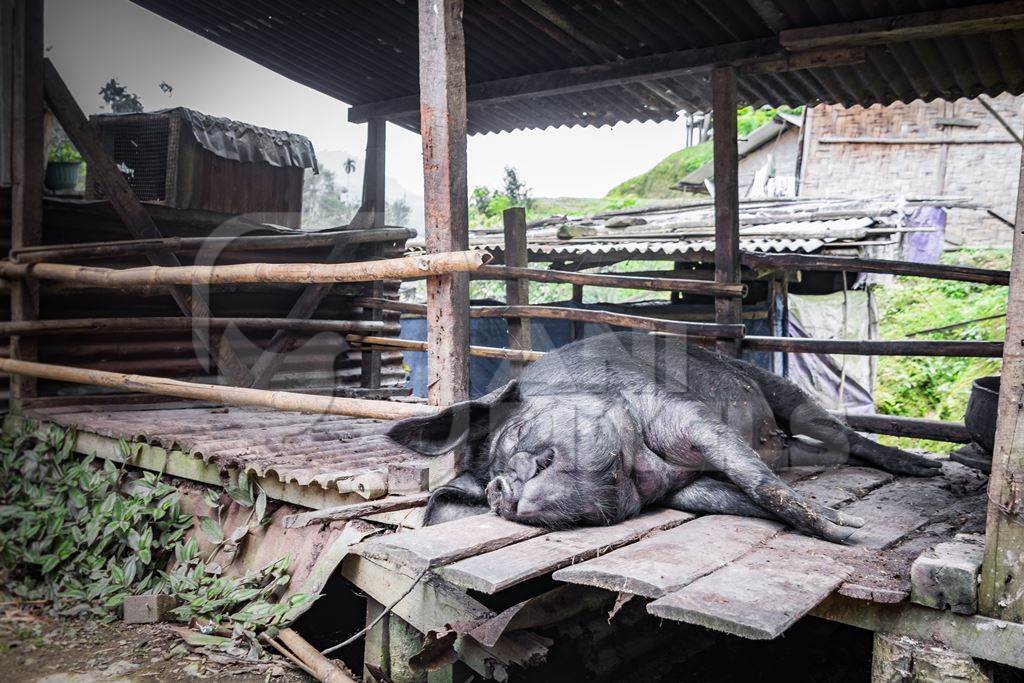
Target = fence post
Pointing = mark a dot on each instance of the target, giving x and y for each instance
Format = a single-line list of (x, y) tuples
[(727, 198), (517, 290)]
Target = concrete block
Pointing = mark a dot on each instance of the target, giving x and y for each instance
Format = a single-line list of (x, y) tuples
[(946, 577), (148, 609)]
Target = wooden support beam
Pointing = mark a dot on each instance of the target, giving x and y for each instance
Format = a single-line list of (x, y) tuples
[(120, 195), (106, 326), (1001, 593), (813, 262), (443, 129), (988, 18), (27, 159), (759, 56), (517, 291), (876, 347), (6, 87), (912, 427), (630, 281), (374, 203), (727, 199)]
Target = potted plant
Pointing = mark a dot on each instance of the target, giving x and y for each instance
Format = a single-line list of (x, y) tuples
[(64, 165)]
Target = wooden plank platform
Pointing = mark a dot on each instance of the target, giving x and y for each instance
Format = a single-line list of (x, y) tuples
[(748, 577)]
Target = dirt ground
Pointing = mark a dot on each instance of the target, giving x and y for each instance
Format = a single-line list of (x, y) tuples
[(39, 649)]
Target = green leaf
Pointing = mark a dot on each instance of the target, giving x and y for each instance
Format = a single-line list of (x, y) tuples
[(212, 498), (260, 507), (241, 496), (211, 529), (49, 562)]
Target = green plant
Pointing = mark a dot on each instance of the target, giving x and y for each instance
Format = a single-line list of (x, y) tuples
[(64, 152), (85, 537)]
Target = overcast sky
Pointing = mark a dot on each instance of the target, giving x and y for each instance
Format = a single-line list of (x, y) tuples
[(91, 41)]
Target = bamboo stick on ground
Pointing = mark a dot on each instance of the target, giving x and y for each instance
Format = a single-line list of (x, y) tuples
[(406, 268), (259, 398)]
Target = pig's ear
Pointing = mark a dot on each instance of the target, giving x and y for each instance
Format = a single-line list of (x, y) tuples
[(462, 423)]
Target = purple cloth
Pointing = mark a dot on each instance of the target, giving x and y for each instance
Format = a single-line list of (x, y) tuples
[(926, 247)]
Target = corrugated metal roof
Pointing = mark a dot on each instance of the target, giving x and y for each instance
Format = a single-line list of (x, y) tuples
[(364, 51)]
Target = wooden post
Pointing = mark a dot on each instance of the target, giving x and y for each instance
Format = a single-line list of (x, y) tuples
[(576, 328), (443, 128), (27, 155), (6, 87), (727, 199), (517, 291), (374, 202), (1001, 593)]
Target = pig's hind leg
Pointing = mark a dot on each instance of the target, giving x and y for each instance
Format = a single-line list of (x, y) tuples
[(707, 496), (798, 413)]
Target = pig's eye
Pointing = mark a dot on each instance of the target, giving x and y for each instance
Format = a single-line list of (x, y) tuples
[(545, 459)]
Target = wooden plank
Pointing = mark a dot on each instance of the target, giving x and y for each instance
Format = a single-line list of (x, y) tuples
[(1002, 583), (992, 17), (27, 159), (847, 264), (443, 131), (132, 213), (343, 512), (993, 640), (727, 200), (513, 564), (762, 594), (670, 560), (517, 291), (440, 544), (842, 485), (896, 509)]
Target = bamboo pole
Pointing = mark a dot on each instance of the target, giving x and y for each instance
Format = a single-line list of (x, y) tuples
[(876, 347), (40, 328), (238, 396), (680, 327), (612, 280), (406, 268), (412, 345), (89, 250)]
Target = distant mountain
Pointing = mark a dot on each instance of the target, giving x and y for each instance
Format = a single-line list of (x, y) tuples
[(334, 160)]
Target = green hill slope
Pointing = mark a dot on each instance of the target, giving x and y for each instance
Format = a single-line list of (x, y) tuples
[(657, 182)]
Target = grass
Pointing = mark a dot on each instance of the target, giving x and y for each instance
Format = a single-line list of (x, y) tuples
[(937, 387), (658, 182)]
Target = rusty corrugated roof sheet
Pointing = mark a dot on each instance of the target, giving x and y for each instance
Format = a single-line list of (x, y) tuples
[(364, 51)]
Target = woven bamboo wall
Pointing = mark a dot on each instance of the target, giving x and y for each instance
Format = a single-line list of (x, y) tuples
[(984, 173)]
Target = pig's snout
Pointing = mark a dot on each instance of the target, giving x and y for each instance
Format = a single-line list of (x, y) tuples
[(500, 496)]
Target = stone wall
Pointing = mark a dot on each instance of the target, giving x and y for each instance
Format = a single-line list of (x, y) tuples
[(978, 161)]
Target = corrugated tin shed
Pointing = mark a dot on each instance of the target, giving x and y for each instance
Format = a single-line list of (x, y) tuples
[(365, 51), (677, 229)]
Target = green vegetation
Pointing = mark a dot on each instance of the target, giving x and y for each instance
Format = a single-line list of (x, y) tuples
[(658, 182), (80, 538), (937, 387)]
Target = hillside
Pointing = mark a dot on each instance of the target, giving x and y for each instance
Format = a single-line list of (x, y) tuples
[(657, 183)]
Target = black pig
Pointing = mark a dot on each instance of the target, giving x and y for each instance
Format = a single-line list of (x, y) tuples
[(598, 429)]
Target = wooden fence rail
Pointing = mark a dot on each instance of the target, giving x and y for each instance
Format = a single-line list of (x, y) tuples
[(876, 347), (938, 271), (407, 268), (42, 328), (668, 284)]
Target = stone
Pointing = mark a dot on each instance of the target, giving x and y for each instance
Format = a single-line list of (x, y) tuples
[(148, 609), (624, 222), (946, 577)]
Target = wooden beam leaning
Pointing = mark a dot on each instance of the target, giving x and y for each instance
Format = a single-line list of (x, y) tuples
[(1001, 593), (131, 211), (406, 268), (517, 291), (727, 200), (996, 16), (667, 284), (227, 395), (27, 154), (442, 108), (847, 264)]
